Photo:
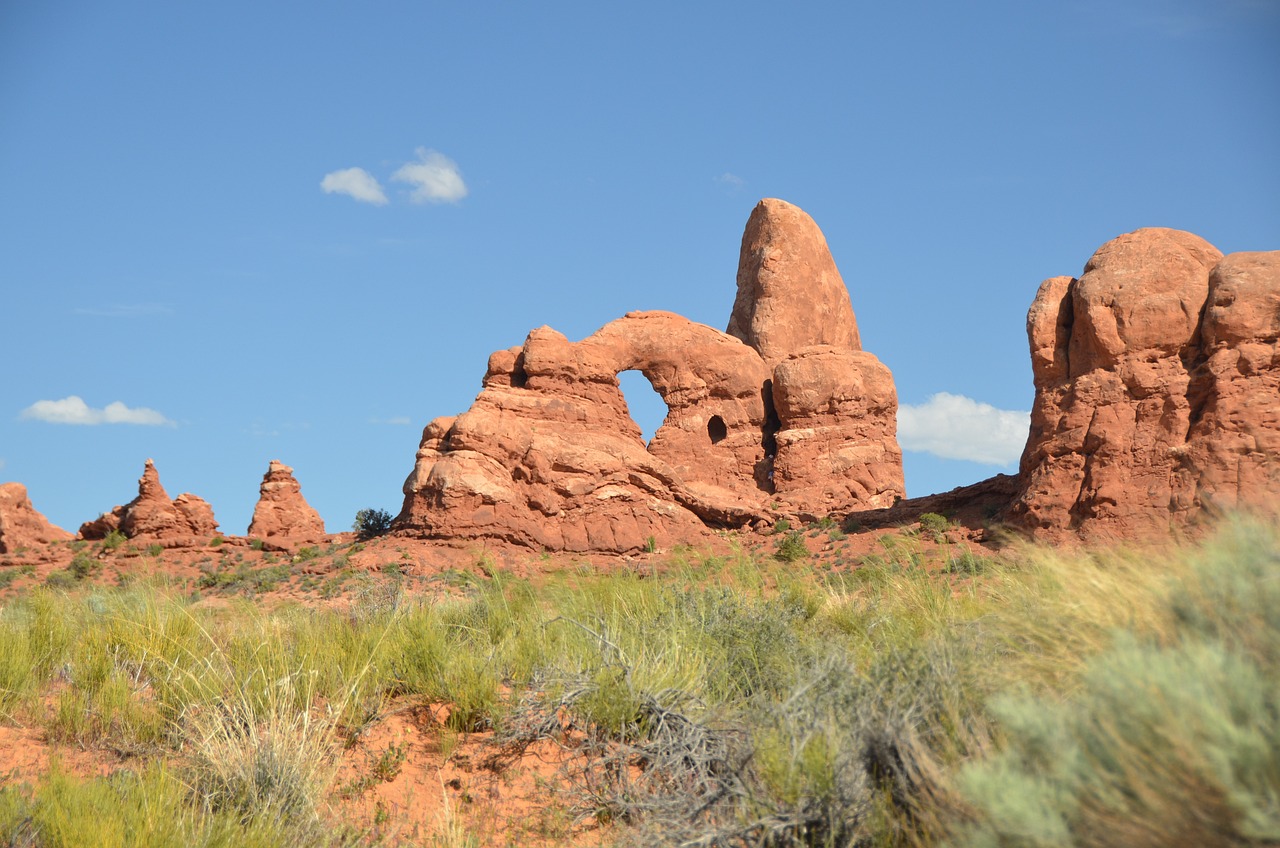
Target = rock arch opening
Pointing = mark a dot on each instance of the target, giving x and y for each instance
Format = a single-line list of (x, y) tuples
[(644, 404)]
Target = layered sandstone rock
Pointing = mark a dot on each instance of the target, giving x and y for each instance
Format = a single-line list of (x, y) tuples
[(21, 526), (1156, 387), (790, 293), (153, 517), (837, 446), (1233, 449), (549, 457), (282, 515)]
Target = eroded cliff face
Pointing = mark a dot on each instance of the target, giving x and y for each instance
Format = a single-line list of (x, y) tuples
[(782, 414), (1157, 379)]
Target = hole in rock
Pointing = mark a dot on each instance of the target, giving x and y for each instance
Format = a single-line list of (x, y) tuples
[(646, 406), (716, 429), (518, 376)]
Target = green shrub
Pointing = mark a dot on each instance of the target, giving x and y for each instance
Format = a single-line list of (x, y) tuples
[(83, 566), (371, 523), (935, 526), (113, 540), (791, 547)]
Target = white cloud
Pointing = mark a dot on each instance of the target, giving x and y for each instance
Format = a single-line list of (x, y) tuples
[(354, 182), (957, 427), (73, 410), (395, 420), (435, 178), (1, 463), (732, 180)]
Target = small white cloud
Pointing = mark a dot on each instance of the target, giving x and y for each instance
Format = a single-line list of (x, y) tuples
[(395, 420), (73, 410), (435, 178), (354, 182), (957, 427), (732, 180), (1, 463)]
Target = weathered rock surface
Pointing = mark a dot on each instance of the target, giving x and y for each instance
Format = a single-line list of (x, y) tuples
[(152, 517), (282, 516), (1233, 448), (1157, 388), (837, 438), (548, 455), (790, 293), (21, 525)]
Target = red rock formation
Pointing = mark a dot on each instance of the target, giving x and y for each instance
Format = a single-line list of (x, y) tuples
[(548, 455), (21, 525), (1144, 411), (152, 517), (790, 294), (1233, 449), (837, 440), (282, 516)]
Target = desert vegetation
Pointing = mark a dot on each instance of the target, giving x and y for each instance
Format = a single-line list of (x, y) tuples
[(927, 694)]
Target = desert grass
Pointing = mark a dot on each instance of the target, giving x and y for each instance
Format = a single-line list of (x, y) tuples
[(1042, 697)]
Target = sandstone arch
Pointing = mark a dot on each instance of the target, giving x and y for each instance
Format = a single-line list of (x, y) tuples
[(759, 422)]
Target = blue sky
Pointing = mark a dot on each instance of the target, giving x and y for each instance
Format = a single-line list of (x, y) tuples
[(170, 256)]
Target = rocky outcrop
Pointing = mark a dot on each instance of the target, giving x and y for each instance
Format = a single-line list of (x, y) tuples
[(1157, 388), (152, 517), (282, 516), (790, 294), (837, 446), (782, 414), (21, 526), (549, 457), (1232, 455)]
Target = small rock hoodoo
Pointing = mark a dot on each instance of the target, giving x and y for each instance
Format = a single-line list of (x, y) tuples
[(282, 517), (784, 412), (152, 517)]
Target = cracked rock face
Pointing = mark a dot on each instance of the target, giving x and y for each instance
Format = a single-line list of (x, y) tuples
[(783, 412), (1157, 396)]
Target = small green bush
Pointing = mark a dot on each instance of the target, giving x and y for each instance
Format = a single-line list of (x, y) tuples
[(113, 540), (371, 523), (935, 525), (791, 547)]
